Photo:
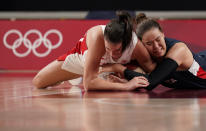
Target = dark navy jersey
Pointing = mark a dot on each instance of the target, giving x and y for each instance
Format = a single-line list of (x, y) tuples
[(194, 77)]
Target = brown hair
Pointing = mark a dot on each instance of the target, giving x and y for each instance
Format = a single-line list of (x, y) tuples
[(120, 29), (144, 24)]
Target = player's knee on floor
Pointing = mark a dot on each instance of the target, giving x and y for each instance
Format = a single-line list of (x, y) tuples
[(37, 82)]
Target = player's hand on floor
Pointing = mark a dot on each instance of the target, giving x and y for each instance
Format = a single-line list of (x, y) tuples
[(137, 82)]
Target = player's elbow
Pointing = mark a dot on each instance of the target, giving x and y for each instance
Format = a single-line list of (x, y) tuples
[(151, 66), (88, 84)]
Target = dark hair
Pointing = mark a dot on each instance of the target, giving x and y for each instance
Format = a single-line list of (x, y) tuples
[(120, 29), (144, 24)]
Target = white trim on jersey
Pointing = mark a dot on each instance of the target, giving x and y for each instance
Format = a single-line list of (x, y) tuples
[(194, 68)]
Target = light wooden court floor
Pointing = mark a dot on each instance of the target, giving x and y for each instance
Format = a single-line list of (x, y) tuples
[(69, 108)]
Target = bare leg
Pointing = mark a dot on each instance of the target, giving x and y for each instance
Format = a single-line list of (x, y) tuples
[(52, 74)]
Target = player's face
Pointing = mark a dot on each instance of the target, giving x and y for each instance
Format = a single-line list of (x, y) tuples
[(154, 41), (114, 50)]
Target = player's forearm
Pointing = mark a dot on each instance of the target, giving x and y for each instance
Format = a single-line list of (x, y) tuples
[(160, 73), (100, 84)]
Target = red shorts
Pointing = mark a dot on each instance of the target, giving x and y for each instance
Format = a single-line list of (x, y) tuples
[(80, 48)]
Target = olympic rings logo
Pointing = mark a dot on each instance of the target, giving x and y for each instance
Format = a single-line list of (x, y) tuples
[(32, 46)]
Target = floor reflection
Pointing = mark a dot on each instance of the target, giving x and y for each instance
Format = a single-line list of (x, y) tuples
[(67, 107)]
